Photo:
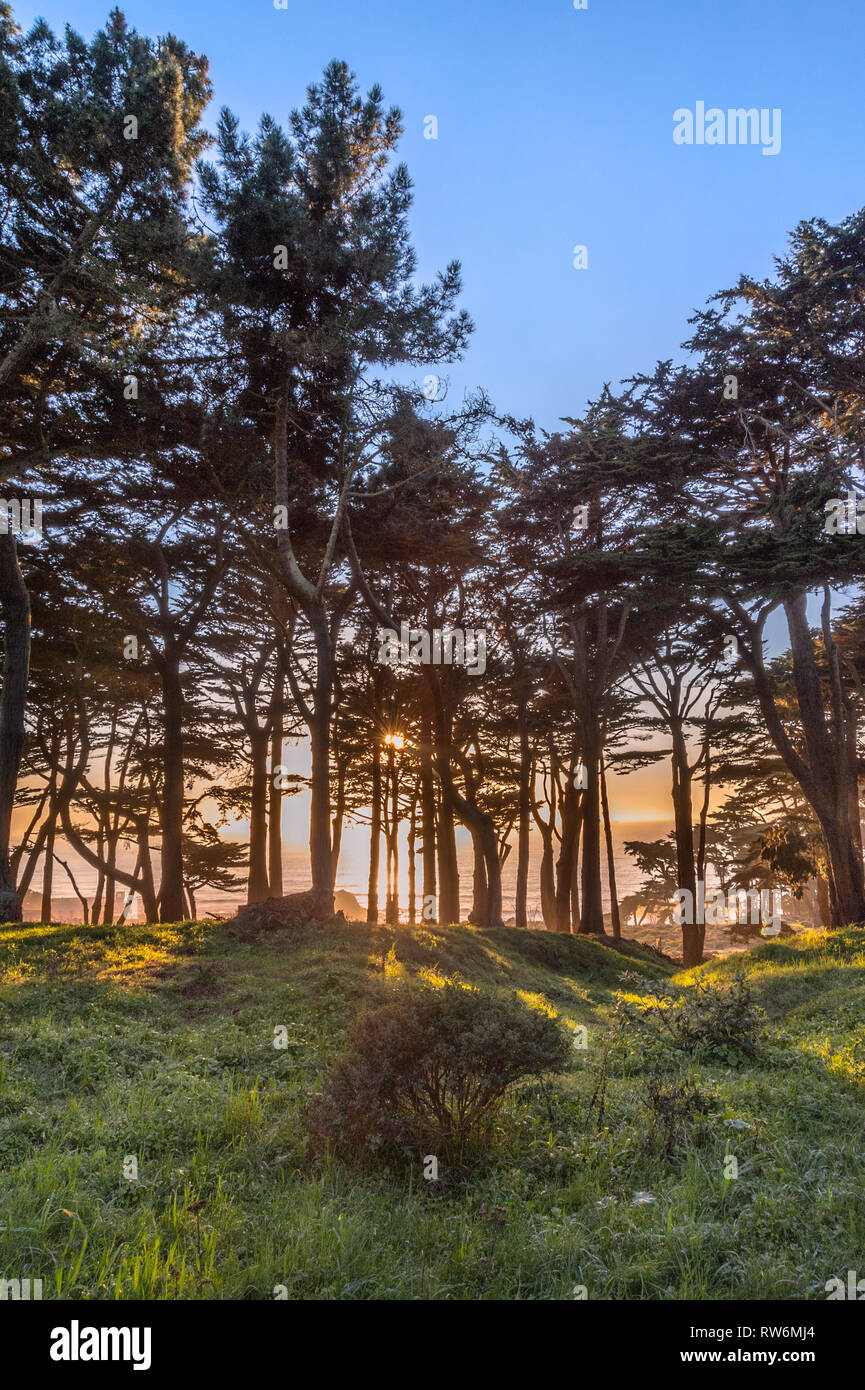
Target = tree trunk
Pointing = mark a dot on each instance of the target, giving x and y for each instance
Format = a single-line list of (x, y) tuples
[(338, 818), (591, 907), (48, 867), (823, 907), (308, 598), (145, 868), (428, 818), (17, 853), (274, 843), (172, 907), (319, 817), (828, 771), (97, 897), (704, 808), (374, 838), (548, 881), (257, 884), (571, 818), (15, 608), (683, 810), (412, 866), (110, 883), (26, 875), (453, 803), (615, 920), (523, 825), (575, 883), (391, 909), (493, 913), (448, 871), (477, 821), (693, 933), (546, 828), (854, 817), (478, 914)]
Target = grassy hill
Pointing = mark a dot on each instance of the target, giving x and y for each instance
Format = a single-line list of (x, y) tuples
[(158, 1043)]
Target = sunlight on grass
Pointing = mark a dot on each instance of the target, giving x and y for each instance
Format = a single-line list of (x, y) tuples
[(846, 1062), (537, 1001), (92, 1071), (393, 968)]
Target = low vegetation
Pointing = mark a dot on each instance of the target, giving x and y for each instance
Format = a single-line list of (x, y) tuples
[(157, 1086), (431, 1069)]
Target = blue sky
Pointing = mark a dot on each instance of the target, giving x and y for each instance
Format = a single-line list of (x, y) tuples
[(555, 129)]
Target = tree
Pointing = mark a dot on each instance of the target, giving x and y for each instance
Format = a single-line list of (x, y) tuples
[(757, 460), (315, 278), (96, 149)]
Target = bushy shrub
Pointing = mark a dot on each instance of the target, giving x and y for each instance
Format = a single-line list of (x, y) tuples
[(705, 1020), (430, 1068)]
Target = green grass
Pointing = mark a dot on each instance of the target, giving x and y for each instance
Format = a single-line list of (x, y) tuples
[(157, 1042)]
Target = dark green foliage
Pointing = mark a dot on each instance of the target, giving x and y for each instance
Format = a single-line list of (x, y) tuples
[(97, 148), (431, 1068), (722, 1023), (790, 856)]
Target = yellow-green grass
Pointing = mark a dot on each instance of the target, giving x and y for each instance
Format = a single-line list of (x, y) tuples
[(157, 1043)]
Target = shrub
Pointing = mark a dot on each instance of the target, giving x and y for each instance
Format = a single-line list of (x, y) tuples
[(704, 1020), (678, 1110), (431, 1067)]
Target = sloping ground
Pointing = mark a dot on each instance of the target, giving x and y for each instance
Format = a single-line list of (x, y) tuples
[(150, 1050)]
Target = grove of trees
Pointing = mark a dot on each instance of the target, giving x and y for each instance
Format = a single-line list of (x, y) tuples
[(215, 357)]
